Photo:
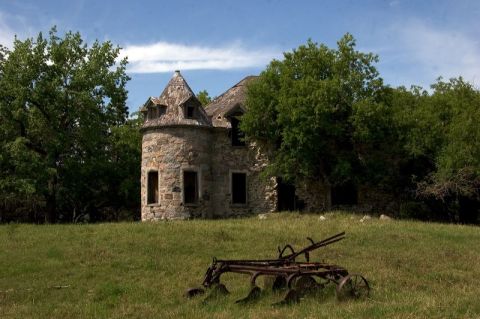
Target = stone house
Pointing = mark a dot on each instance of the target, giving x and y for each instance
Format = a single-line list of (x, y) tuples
[(195, 162)]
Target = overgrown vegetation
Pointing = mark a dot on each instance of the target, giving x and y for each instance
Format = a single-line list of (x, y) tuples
[(70, 152), (141, 270), (333, 120)]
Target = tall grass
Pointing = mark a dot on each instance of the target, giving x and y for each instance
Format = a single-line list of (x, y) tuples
[(141, 270)]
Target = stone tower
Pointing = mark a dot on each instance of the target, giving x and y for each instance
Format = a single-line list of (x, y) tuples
[(194, 162), (175, 151)]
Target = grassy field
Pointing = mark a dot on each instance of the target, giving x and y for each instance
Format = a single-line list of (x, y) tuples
[(141, 270)]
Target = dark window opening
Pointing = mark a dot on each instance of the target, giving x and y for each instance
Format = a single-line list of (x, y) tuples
[(238, 137), (239, 188), (152, 113), (189, 111), (345, 194), (152, 197), (162, 110), (286, 199), (190, 187)]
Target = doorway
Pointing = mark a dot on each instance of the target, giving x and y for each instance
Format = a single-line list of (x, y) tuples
[(286, 199)]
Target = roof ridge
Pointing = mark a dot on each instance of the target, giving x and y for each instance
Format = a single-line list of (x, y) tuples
[(234, 86)]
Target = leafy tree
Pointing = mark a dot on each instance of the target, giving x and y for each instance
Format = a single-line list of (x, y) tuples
[(60, 100), (203, 97), (457, 114), (444, 133), (108, 188), (320, 107)]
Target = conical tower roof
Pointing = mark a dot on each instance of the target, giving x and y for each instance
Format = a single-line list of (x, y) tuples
[(172, 103), (176, 92)]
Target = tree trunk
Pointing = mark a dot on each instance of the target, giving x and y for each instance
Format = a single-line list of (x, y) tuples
[(51, 198)]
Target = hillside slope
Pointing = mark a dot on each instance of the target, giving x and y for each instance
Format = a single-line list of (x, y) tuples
[(141, 270)]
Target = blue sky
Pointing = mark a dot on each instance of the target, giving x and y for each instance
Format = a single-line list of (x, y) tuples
[(217, 43)]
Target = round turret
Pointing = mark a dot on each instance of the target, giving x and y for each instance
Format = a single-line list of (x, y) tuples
[(176, 148)]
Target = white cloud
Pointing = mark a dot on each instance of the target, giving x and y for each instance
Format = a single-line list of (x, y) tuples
[(433, 52), (6, 33), (167, 57)]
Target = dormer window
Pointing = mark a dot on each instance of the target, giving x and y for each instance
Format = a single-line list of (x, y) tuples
[(162, 109), (152, 113), (156, 111), (189, 111)]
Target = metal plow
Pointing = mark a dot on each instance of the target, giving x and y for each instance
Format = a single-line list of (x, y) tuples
[(297, 278)]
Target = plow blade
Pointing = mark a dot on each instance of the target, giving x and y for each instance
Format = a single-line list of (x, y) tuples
[(217, 290), (253, 295), (291, 297), (192, 292)]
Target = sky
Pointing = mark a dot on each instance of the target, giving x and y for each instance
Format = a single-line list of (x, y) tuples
[(215, 44)]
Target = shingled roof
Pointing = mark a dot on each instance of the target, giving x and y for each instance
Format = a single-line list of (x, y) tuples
[(228, 103), (174, 97)]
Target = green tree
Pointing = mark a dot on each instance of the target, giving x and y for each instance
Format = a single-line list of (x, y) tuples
[(321, 107), (203, 97), (438, 134), (444, 131), (108, 188), (60, 100)]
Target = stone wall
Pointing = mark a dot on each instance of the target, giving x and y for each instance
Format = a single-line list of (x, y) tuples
[(315, 195), (170, 151), (208, 151), (261, 194)]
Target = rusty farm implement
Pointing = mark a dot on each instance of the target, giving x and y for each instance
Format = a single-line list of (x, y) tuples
[(299, 278)]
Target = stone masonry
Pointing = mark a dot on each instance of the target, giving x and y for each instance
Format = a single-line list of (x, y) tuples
[(175, 141)]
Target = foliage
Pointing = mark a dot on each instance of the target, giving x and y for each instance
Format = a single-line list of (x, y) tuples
[(330, 118), (440, 135), (454, 113), (70, 152), (141, 270), (61, 104), (109, 188), (203, 97), (316, 105)]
